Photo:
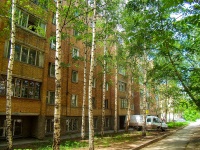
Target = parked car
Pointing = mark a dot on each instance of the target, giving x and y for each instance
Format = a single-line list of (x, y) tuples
[(152, 122)]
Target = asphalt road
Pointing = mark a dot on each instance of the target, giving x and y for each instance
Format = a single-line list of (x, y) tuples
[(184, 139)]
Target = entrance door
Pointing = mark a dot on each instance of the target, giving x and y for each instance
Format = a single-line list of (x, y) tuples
[(17, 127), (121, 121)]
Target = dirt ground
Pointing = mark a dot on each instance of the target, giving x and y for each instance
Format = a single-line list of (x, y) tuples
[(130, 140)]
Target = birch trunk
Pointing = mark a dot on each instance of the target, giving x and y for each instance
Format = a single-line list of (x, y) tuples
[(9, 80), (84, 94), (104, 88), (90, 111), (144, 93), (57, 107), (116, 93), (84, 80), (129, 100)]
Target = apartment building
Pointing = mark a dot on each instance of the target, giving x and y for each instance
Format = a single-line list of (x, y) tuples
[(34, 80)]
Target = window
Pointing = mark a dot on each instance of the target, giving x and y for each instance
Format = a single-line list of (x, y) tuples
[(93, 102), (40, 59), (75, 32), (72, 124), (122, 86), (75, 53), (30, 22), (121, 71), (51, 69), (50, 97), (74, 100), (54, 19), (94, 83), (95, 123), (24, 55), (132, 106), (32, 57), (106, 104), (124, 103), (17, 52), (49, 126), (2, 128), (2, 85), (107, 86), (107, 122), (74, 76), (26, 89), (16, 127), (53, 44), (148, 119), (27, 55)]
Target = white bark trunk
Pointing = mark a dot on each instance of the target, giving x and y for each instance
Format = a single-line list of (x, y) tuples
[(129, 100), (104, 88), (116, 97), (84, 79), (84, 95), (90, 111), (144, 93), (9, 80), (57, 107)]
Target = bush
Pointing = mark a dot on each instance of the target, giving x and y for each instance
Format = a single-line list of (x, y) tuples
[(177, 124)]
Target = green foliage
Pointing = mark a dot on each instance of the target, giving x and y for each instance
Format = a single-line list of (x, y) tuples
[(191, 114), (177, 124)]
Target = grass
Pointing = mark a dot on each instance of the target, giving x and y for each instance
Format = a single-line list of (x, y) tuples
[(177, 124), (109, 140)]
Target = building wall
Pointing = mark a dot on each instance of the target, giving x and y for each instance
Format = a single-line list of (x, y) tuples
[(35, 113)]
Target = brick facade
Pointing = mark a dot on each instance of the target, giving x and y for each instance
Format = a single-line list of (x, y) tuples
[(33, 116)]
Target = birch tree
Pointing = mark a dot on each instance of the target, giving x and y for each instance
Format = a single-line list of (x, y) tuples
[(116, 93), (57, 107), (9, 80), (104, 87), (84, 77), (90, 111), (144, 98), (129, 99)]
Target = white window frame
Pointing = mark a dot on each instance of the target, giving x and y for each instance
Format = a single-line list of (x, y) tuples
[(54, 19), (106, 104), (124, 103), (94, 82), (25, 20), (75, 52), (74, 100), (71, 124), (122, 86), (94, 103), (122, 71), (53, 44), (51, 70), (74, 76), (107, 86), (38, 58), (107, 122), (51, 125), (49, 96), (75, 32)]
